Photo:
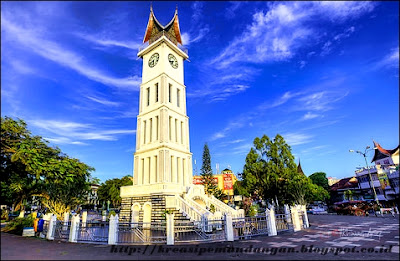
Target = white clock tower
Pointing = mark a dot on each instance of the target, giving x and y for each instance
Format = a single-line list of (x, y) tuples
[(162, 175), (162, 138)]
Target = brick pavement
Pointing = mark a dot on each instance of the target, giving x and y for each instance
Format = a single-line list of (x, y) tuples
[(377, 236)]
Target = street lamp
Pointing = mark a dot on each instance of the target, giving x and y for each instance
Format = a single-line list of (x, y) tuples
[(369, 173)]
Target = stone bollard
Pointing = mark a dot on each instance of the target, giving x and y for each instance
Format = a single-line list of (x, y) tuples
[(271, 221), (229, 228), (84, 218), (113, 230), (52, 227), (170, 229), (73, 232), (295, 218)]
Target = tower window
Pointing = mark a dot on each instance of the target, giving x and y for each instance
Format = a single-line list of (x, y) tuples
[(169, 92), (148, 96), (178, 93), (156, 92)]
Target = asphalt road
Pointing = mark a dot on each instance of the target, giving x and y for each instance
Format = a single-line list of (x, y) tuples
[(329, 237)]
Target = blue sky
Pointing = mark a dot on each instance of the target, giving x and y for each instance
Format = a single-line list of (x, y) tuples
[(324, 75)]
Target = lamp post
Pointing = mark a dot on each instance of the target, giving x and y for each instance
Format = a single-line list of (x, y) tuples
[(369, 173)]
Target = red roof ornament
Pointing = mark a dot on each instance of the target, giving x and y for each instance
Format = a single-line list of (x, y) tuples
[(155, 29), (381, 153)]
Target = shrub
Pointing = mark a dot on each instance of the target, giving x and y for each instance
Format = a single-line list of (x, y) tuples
[(17, 225)]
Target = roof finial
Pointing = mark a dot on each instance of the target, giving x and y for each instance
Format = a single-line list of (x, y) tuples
[(176, 9), (151, 6)]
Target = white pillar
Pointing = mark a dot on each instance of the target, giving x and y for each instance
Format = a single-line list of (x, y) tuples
[(170, 229), (66, 219), (295, 218), (52, 227), (286, 209), (218, 218), (271, 222), (304, 209), (229, 228), (84, 218), (113, 230), (73, 232)]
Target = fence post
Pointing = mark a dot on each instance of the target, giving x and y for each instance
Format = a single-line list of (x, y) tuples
[(84, 218), (206, 226), (218, 222), (295, 218), (66, 219), (170, 229), (51, 228), (229, 228), (270, 214), (304, 209), (74, 228), (113, 230), (287, 213)]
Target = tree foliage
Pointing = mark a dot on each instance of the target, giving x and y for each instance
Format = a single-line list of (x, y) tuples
[(110, 190), (319, 178), (30, 167), (206, 173), (270, 171)]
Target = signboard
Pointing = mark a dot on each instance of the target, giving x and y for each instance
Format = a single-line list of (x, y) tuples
[(197, 180), (227, 181), (383, 179)]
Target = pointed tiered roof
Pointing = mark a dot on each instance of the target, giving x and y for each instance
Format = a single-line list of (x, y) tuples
[(155, 29), (381, 153), (299, 169)]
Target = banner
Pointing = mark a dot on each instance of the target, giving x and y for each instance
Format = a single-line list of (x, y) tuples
[(197, 180), (227, 181), (383, 179)]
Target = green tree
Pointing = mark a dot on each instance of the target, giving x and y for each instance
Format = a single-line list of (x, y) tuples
[(270, 171), (110, 190), (206, 172), (319, 178), (30, 167)]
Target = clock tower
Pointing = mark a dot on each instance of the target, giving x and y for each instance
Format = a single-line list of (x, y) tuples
[(162, 161), (162, 171)]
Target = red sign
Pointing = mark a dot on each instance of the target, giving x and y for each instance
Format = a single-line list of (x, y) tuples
[(197, 180), (227, 181)]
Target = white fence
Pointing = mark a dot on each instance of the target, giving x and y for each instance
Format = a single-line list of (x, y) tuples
[(170, 232)]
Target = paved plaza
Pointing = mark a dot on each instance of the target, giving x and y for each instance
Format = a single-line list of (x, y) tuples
[(329, 237)]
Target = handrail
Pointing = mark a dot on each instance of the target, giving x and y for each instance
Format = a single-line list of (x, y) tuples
[(186, 208), (198, 207), (225, 208)]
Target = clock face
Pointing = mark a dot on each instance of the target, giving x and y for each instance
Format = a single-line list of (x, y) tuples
[(172, 60), (154, 59)]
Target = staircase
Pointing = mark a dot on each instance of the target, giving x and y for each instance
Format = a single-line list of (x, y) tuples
[(158, 206)]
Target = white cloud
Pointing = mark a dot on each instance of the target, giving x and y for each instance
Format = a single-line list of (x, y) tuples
[(277, 34), (391, 60), (99, 40), (33, 41), (296, 138), (69, 132), (309, 116), (104, 101)]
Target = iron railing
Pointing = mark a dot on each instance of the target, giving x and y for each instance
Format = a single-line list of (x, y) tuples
[(93, 232), (247, 227), (205, 230), (152, 232)]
